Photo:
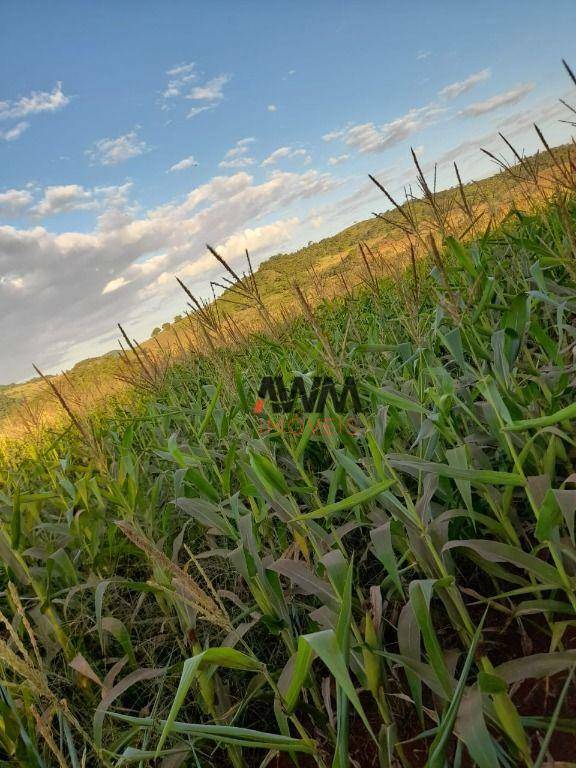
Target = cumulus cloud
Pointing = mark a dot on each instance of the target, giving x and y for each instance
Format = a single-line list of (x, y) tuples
[(11, 134), (61, 292), (369, 137), (423, 55), (14, 202), (456, 89), (338, 160), (258, 239), (496, 102), (272, 108), (237, 156), (211, 90), (286, 153), (64, 198), (184, 164), (39, 203), (118, 150), (35, 102)]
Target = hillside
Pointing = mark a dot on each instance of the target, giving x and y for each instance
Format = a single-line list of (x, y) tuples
[(333, 266)]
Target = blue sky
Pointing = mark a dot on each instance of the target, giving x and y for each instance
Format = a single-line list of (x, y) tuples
[(131, 133)]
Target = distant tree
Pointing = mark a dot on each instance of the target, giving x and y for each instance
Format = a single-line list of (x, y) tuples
[(177, 318), (155, 331), (165, 326)]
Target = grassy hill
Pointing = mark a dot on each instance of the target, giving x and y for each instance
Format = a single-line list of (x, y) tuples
[(325, 269)]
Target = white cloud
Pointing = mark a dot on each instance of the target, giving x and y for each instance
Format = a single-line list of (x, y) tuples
[(423, 55), (180, 77), (198, 110), (333, 135), (183, 84), (14, 202), (496, 102), (113, 285), (338, 160), (306, 157), (211, 90), (64, 198), (35, 202), (258, 239), (277, 155), (368, 137), (272, 108), (184, 164), (37, 101), (286, 153), (518, 126), (11, 134), (182, 70), (118, 150), (238, 157), (11, 283), (237, 162), (149, 266), (456, 89)]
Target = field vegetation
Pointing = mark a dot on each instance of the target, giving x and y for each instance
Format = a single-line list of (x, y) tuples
[(332, 267), (183, 586)]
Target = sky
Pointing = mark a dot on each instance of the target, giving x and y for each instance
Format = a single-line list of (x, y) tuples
[(133, 133)]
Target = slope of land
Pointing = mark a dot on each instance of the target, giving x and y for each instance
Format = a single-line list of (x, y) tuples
[(330, 267)]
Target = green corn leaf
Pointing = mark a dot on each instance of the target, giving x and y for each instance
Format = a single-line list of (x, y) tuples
[(458, 457), (397, 400), (413, 465), (564, 414), (437, 751), (536, 666), (220, 657), (382, 541), (225, 734), (361, 497), (210, 409), (420, 597), (549, 517), (497, 552), (268, 474), (471, 728), (343, 639)]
